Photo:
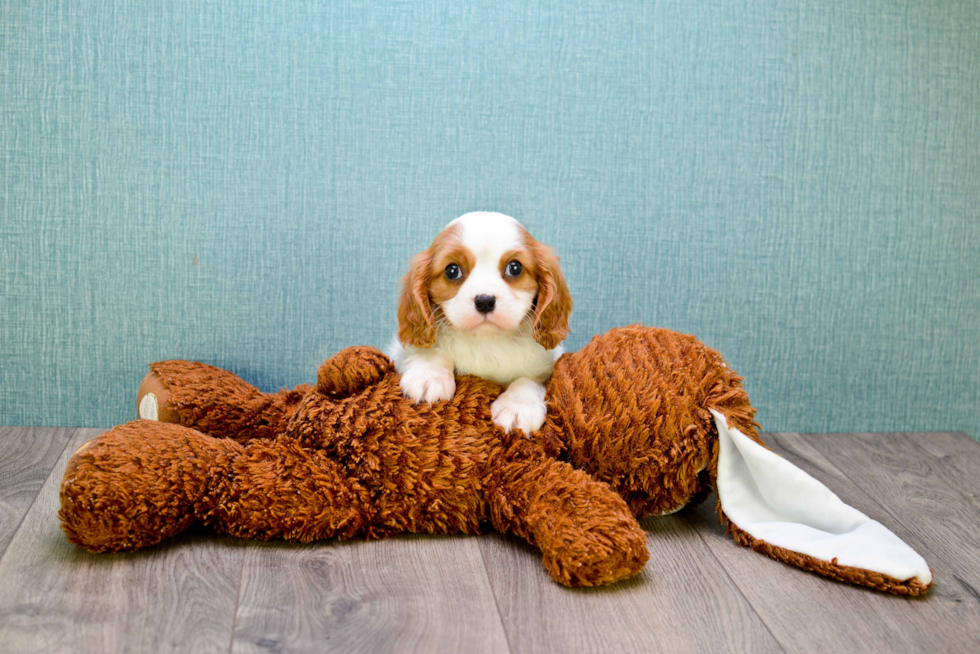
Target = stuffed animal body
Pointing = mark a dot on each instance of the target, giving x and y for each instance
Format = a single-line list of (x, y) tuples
[(637, 421)]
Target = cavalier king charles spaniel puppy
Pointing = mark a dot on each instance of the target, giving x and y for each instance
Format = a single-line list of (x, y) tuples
[(484, 299)]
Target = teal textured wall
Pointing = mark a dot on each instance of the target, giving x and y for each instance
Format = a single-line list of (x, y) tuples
[(242, 183)]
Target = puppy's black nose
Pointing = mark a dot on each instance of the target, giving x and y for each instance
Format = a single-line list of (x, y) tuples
[(485, 303)]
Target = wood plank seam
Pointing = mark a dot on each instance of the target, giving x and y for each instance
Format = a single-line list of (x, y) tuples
[(496, 602), (909, 436), (238, 598), (943, 551), (54, 469), (913, 529), (695, 526)]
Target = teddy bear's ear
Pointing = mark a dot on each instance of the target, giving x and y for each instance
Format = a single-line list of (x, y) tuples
[(352, 370), (775, 508)]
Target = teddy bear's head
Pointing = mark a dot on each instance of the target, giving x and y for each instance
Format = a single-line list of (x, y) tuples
[(632, 410)]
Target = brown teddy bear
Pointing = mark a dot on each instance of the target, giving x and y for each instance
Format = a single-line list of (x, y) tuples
[(636, 423)]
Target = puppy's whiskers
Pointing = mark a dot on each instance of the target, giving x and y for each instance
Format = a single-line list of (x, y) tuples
[(529, 319)]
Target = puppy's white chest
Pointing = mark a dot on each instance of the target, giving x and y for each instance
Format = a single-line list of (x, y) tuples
[(501, 360)]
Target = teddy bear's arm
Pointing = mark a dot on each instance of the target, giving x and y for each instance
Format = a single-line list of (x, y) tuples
[(214, 401), (586, 533), (352, 370), (221, 404)]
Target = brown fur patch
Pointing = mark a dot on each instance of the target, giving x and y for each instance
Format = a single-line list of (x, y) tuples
[(553, 305), (441, 288), (416, 318), (528, 279)]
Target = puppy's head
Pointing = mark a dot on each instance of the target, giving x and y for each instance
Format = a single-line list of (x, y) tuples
[(484, 275)]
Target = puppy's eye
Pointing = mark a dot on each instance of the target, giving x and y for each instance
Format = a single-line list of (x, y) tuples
[(453, 272), (514, 268)]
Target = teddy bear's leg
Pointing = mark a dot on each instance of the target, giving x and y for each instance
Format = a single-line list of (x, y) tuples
[(140, 483), (279, 489), (585, 531), (214, 401)]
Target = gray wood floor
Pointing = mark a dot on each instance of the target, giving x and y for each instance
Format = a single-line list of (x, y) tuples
[(699, 592)]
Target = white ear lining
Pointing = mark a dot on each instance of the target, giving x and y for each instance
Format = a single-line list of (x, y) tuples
[(772, 500)]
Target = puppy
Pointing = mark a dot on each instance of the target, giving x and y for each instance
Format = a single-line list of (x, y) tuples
[(484, 299)]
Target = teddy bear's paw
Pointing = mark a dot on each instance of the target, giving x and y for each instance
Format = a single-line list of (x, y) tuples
[(521, 406), (148, 408), (428, 383), (153, 399)]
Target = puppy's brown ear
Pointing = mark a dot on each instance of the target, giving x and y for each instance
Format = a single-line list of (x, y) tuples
[(416, 326), (554, 303)]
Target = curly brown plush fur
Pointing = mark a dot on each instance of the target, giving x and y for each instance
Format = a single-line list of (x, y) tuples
[(628, 434)]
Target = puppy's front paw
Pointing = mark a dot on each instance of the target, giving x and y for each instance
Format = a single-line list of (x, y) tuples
[(521, 406), (428, 383)]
